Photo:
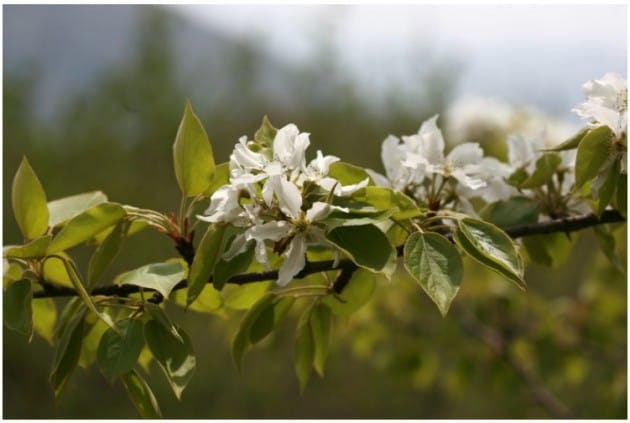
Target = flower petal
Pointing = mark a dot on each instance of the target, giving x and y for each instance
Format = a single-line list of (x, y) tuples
[(294, 260)]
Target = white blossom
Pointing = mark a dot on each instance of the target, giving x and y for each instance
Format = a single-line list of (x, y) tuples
[(607, 103)]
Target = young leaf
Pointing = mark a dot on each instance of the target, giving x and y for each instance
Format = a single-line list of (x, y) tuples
[(29, 202), (266, 133), (119, 349), (609, 179), (491, 247), (304, 349), (106, 252), (321, 328), (348, 174), (208, 301), (174, 354), (160, 316), (192, 155), (593, 152), (512, 212), (572, 142), (225, 269), (85, 225), (355, 295), (161, 277), (436, 265), (366, 245), (242, 339), (33, 249), (68, 351), (208, 252), (66, 208), (385, 199), (91, 341), (221, 177), (17, 310), (269, 318), (141, 395), (546, 166), (54, 270), (44, 318), (243, 297)]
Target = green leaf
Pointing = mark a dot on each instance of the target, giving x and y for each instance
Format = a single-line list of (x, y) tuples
[(609, 175), (517, 177), (622, 194), (546, 167), (119, 349), (17, 309), (85, 225), (44, 318), (11, 272), (160, 317), (606, 242), (348, 174), (91, 341), (208, 252), (512, 212), (29, 202), (491, 247), (174, 354), (192, 155), (552, 250), (436, 265), (321, 328), (141, 395), (54, 270), (33, 249), (243, 297), (225, 269), (221, 177), (269, 318), (366, 245), (304, 350), (208, 301), (266, 133), (105, 252), (242, 339), (66, 208), (572, 142), (355, 295), (68, 351), (592, 153), (385, 199), (161, 277)]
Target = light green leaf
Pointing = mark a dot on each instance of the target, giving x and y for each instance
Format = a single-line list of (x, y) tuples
[(265, 135), (436, 265), (355, 295), (572, 142), (593, 152), (11, 272), (385, 199), (605, 192), (16, 307), (491, 247), (66, 208), (68, 351), (44, 318), (242, 339), (105, 252), (91, 341), (55, 270), (512, 212), (208, 301), (33, 249), (161, 277), (348, 174), (174, 354), (85, 225), (243, 297), (546, 166), (29, 202), (269, 318), (221, 177), (192, 155), (141, 395), (366, 245), (321, 328), (225, 269), (119, 349), (304, 350), (208, 252)]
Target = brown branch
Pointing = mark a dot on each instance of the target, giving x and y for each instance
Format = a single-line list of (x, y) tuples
[(569, 224)]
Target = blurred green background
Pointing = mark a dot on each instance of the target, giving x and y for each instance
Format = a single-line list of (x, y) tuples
[(500, 353)]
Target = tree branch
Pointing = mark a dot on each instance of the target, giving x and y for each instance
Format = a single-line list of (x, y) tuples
[(569, 224)]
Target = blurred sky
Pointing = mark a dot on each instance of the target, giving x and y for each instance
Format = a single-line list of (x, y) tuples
[(533, 54)]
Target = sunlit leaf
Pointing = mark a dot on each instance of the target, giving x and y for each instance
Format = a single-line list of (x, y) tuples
[(386, 199), (242, 339), (572, 142), (55, 270), (348, 174), (512, 212), (105, 252), (243, 297), (161, 277), (355, 295), (266, 133), (321, 329), (174, 354), (192, 155), (436, 265), (269, 318), (29, 202), (225, 269), (85, 225), (607, 189), (44, 318), (34, 249), (221, 177), (119, 349), (66, 208), (546, 167), (208, 252), (208, 301), (16, 307), (91, 341), (141, 395), (366, 245), (592, 153)]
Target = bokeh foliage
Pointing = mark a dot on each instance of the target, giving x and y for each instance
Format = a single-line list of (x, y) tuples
[(397, 357)]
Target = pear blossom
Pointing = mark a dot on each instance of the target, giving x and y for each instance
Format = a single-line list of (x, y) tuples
[(607, 103)]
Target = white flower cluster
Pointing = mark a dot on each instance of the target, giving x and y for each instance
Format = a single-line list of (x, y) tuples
[(269, 195)]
